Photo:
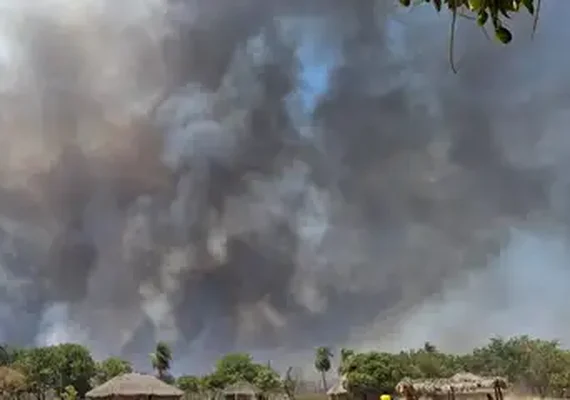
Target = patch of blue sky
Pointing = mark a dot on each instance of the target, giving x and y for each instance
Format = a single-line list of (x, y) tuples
[(317, 63), (318, 54)]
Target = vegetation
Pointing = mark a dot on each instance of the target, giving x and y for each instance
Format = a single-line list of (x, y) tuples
[(323, 363), (495, 13), (538, 366), (56, 367), (110, 368), (161, 359), (345, 357), (4, 356), (69, 393), (189, 383), (11, 381), (289, 384)]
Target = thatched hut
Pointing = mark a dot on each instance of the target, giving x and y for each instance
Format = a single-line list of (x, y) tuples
[(242, 391), (459, 386), (338, 392), (11, 381), (135, 387)]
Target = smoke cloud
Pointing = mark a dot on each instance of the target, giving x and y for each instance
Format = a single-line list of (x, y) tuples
[(271, 176)]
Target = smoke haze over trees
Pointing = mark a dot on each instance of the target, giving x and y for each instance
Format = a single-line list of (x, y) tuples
[(269, 176)]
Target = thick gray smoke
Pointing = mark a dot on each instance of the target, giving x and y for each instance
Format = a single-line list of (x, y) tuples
[(273, 175)]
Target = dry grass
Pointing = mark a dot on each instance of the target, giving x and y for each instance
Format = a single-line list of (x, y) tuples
[(520, 397), (134, 385), (322, 396), (461, 382)]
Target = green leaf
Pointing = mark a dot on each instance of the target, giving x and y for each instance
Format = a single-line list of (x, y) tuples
[(437, 4), (475, 5), (529, 5), (503, 34), (505, 13), (482, 18)]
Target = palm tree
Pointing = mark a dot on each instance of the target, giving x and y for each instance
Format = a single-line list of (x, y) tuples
[(345, 357), (429, 347), (323, 357), (161, 359), (289, 384)]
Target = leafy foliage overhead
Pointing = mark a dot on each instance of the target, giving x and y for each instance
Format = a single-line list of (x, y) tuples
[(487, 12), (494, 12)]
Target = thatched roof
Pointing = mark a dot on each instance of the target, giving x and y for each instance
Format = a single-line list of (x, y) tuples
[(135, 385), (460, 383), (243, 388), (337, 389), (11, 380)]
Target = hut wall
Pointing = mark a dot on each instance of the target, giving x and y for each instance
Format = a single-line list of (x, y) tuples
[(340, 396), (458, 396), (363, 395), (143, 397)]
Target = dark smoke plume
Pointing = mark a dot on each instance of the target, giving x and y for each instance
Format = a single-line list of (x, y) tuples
[(270, 176)]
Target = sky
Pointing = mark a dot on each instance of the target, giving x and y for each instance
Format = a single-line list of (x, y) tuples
[(318, 61), (318, 53), (317, 41)]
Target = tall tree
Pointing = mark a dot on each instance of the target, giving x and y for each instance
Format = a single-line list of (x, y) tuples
[(429, 347), (323, 364), (290, 384), (188, 383), (266, 378), (75, 368), (378, 371), (235, 367), (4, 355), (345, 357), (41, 365), (110, 368), (161, 359)]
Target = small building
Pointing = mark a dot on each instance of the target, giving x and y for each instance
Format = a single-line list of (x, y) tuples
[(242, 391), (462, 386), (338, 392), (135, 386)]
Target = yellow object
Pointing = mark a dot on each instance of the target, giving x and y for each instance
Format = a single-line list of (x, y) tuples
[(474, 5), (385, 397)]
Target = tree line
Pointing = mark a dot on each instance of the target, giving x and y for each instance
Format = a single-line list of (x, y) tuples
[(532, 365), (535, 366), (69, 371)]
